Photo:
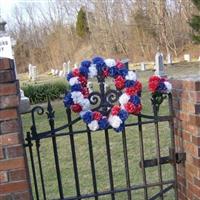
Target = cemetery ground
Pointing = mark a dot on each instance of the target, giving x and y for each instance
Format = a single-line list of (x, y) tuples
[(99, 148)]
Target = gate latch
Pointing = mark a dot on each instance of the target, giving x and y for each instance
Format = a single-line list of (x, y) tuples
[(173, 158), (178, 157)]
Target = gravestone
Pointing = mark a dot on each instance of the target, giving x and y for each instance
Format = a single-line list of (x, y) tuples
[(56, 72), (68, 67), (60, 73), (64, 68), (143, 66), (24, 103), (169, 59), (30, 71), (187, 57), (52, 71), (34, 73), (159, 64)]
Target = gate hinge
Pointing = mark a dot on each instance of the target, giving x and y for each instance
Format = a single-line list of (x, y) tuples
[(177, 157)]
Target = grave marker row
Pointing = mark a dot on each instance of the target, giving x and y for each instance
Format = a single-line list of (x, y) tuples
[(32, 72)]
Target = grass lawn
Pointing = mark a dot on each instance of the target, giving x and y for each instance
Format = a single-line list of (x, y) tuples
[(99, 148)]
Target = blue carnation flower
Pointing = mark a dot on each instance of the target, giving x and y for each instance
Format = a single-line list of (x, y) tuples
[(86, 63), (87, 117), (129, 83), (69, 76), (103, 123), (99, 63), (161, 87), (123, 71), (113, 71), (84, 71), (75, 87), (135, 100), (120, 128), (123, 115), (68, 101)]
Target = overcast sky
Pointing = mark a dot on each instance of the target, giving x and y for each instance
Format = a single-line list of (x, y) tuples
[(6, 6)]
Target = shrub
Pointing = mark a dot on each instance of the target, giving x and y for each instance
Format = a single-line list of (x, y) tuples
[(40, 92), (82, 28)]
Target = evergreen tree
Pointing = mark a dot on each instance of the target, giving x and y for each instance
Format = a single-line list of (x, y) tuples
[(81, 24), (195, 23)]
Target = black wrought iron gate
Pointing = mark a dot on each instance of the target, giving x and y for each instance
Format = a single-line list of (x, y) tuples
[(41, 172)]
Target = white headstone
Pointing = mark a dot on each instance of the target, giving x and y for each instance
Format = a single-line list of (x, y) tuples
[(169, 59), (21, 93), (24, 102), (64, 68), (90, 86), (68, 67), (52, 71), (60, 73), (56, 72), (143, 66), (159, 64), (34, 73), (6, 47), (187, 57), (30, 71)]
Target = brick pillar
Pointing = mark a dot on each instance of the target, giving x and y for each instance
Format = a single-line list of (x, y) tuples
[(14, 184), (186, 101)]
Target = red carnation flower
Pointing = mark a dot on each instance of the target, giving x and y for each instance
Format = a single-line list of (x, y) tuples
[(130, 107), (76, 72), (115, 110), (96, 115), (119, 64), (138, 86), (105, 72), (153, 83), (83, 80), (131, 90), (85, 92), (119, 82), (76, 108)]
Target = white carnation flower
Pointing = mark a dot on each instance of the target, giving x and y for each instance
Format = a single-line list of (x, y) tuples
[(80, 100), (168, 86), (110, 62), (93, 125), (114, 121), (85, 104), (124, 98), (131, 76), (73, 81), (77, 97), (92, 71)]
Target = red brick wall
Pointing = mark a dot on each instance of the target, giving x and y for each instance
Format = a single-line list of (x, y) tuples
[(186, 101), (14, 184)]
